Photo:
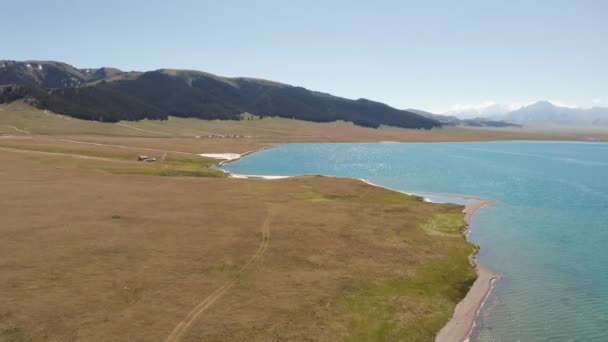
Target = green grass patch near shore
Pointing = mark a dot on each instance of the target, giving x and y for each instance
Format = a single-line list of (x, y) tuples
[(391, 196), (409, 308), (445, 224), (315, 194)]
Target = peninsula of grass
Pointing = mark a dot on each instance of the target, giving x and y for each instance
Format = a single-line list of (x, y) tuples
[(98, 246)]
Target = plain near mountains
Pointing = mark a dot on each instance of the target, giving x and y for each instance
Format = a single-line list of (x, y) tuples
[(111, 95)]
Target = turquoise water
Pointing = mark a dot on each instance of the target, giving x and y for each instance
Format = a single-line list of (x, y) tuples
[(547, 235)]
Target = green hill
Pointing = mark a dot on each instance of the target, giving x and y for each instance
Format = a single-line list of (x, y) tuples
[(111, 95)]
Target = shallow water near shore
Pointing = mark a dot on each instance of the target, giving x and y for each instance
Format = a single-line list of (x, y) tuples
[(547, 235)]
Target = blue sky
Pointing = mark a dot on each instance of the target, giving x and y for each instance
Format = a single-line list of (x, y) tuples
[(430, 55)]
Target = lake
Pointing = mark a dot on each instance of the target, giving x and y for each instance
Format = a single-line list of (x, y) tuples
[(547, 235)]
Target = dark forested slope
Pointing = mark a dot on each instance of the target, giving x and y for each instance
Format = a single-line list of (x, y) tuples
[(107, 94)]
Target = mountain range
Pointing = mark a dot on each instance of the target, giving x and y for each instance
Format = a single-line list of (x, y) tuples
[(541, 113), (451, 120), (488, 109), (109, 94), (547, 113)]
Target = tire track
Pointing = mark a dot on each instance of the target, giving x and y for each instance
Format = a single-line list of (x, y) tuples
[(182, 327), (122, 146), (18, 130), (142, 130), (78, 156)]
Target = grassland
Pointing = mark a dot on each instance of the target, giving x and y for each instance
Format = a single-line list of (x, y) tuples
[(99, 247)]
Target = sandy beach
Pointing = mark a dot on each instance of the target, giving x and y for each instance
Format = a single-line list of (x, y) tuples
[(223, 156), (231, 157), (461, 324)]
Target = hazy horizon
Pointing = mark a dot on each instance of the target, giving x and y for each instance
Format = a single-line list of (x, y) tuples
[(436, 56)]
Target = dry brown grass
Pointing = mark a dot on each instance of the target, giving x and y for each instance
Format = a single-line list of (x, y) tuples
[(89, 255)]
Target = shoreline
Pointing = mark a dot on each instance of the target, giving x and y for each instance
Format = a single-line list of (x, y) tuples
[(461, 324)]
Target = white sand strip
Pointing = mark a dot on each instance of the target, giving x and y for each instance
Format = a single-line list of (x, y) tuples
[(233, 175), (223, 156)]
